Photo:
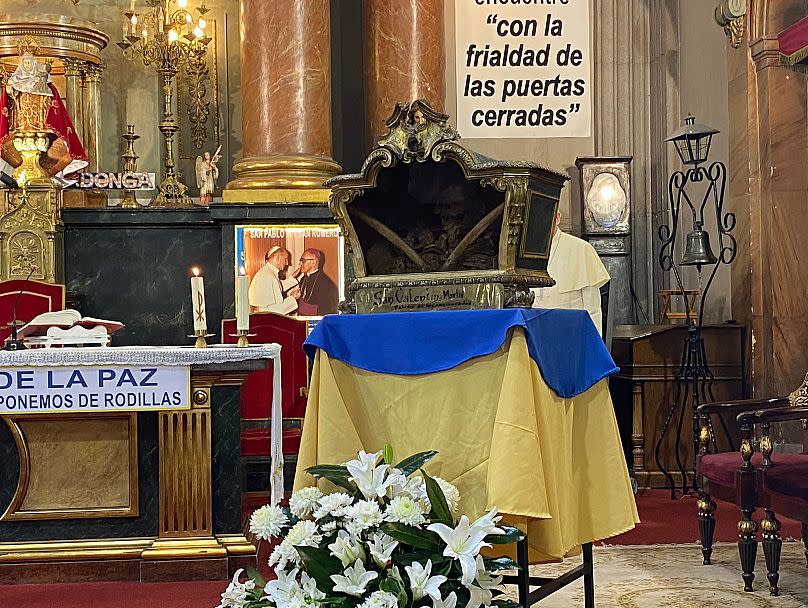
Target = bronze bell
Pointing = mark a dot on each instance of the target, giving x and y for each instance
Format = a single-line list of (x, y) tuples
[(697, 249)]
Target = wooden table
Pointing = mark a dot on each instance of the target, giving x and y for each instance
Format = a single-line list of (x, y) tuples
[(644, 390)]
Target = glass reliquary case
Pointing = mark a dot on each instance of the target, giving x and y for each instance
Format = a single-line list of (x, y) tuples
[(430, 224)]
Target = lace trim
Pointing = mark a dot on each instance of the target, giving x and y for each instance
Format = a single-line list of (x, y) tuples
[(138, 355)]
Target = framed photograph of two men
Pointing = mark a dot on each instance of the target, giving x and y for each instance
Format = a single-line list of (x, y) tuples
[(292, 269)]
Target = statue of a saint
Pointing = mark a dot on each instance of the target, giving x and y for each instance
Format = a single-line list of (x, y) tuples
[(30, 105), (207, 172)]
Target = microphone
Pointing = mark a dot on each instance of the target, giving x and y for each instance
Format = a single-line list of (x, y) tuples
[(14, 343)]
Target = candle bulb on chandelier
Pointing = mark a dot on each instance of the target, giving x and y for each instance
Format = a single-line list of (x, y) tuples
[(173, 36), (198, 301)]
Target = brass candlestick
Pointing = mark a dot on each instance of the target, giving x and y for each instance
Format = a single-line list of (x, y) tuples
[(130, 164), (201, 335), (243, 337)]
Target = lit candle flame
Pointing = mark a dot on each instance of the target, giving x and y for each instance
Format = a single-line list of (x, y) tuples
[(196, 271)]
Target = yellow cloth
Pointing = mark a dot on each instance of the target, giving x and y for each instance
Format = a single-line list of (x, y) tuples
[(504, 438)]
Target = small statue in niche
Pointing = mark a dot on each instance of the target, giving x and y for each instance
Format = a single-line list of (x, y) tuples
[(207, 172)]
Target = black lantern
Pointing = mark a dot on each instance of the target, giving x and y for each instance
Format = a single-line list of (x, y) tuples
[(693, 377), (692, 141)]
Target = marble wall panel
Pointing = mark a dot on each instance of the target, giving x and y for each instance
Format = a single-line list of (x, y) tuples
[(225, 452), (139, 275)]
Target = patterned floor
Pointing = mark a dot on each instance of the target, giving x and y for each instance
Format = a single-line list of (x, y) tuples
[(671, 576)]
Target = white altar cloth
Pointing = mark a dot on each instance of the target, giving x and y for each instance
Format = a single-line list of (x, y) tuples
[(168, 356)]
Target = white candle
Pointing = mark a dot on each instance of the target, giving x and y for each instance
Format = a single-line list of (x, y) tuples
[(198, 301), (242, 303)]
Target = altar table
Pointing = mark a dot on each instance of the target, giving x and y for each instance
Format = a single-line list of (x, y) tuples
[(130, 493), (515, 401)]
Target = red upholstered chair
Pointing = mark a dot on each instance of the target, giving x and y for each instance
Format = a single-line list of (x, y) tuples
[(256, 393), (734, 477), (781, 479), (36, 297)]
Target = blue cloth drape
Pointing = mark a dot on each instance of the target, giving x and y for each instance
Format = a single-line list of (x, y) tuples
[(565, 345)]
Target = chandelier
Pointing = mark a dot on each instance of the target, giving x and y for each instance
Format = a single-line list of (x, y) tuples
[(167, 35)]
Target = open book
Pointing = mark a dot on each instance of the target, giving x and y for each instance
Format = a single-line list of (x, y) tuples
[(62, 320)]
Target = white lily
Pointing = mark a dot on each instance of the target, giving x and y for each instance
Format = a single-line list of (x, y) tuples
[(310, 589), (488, 522), (235, 596), (370, 479), (284, 588), (421, 581), (346, 548), (480, 591), (463, 543), (355, 581), (450, 601), (381, 548)]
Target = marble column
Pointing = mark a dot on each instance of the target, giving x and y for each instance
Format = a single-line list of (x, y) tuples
[(403, 57), (286, 96), (92, 114), (74, 93)]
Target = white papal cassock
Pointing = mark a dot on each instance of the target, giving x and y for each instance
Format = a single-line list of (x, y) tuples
[(579, 274), (266, 291)]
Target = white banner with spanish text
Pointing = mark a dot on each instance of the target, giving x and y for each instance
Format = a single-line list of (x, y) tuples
[(89, 388), (523, 68)]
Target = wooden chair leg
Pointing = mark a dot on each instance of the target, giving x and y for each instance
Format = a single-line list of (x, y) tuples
[(747, 547), (706, 507), (589, 576), (805, 541), (772, 546)]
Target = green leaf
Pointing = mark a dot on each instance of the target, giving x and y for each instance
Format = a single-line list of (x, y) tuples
[(387, 453), (405, 559), (336, 474), (511, 535), (256, 576), (505, 604), (320, 565), (412, 463), (415, 537), (494, 564), (440, 511)]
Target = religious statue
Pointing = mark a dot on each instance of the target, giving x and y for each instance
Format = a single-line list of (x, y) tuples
[(207, 172), (37, 137)]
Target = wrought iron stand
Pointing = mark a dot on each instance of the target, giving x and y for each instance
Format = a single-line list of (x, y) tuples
[(693, 377)]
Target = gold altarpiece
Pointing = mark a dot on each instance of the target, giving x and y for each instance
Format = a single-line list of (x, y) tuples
[(31, 230)]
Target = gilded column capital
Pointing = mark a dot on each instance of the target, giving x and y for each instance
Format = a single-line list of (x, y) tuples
[(73, 67), (93, 71)]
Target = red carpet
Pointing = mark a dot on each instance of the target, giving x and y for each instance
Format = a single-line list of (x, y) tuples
[(665, 521), (205, 594)]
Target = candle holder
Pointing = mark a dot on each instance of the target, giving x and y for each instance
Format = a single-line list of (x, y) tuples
[(200, 335), (243, 335)]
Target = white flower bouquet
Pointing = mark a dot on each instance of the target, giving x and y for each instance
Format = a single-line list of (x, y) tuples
[(387, 538)]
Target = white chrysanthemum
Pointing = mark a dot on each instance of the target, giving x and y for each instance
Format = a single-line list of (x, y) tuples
[(282, 555), (328, 527), (380, 599), (303, 533), (235, 596), (451, 493), (365, 514), (346, 548), (267, 522), (333, 505), (405, 510), (304, 501)]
